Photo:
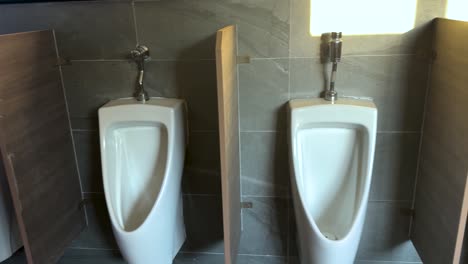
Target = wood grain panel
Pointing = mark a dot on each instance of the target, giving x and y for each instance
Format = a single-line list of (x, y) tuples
[(36, 146), (228, 109), (441, 203)]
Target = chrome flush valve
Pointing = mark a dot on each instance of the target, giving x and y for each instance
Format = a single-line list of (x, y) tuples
[(140, 55), (335, 46)]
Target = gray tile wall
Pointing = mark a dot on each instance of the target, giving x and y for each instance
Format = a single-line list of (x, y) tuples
[(97, 35)]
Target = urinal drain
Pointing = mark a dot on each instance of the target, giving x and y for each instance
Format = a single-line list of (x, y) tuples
[(330, 236)]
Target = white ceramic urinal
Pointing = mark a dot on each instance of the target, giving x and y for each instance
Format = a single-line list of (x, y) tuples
[(10, 240), (331, 156), (142, 155)]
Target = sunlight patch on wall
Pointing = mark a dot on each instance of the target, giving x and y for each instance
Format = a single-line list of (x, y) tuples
[(362, 17), (457, 9)]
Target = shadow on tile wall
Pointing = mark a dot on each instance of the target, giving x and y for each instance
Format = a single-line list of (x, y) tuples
[(97, 36)]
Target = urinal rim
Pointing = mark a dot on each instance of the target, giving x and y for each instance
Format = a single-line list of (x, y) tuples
[(169, 158), (298, 191)]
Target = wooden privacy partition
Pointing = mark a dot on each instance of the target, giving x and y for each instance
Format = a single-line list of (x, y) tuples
[(36, 146), (228, 109), (441, 195)]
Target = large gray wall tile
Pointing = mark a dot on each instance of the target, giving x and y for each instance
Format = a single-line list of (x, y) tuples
[(396, 156), (414, 41), (264, 164), (203, 223), (263, 27), (84, 30), (180, 29), (263, 88), (202, 165), (397, 84), (89, 85), (265, 227), (197, 80), (385, 233), (89, 160)]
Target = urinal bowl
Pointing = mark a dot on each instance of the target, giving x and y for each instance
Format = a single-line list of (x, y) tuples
[(142, 156), (331, 157)]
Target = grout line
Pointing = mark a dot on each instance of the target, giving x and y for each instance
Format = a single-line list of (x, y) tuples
[(263, 131), (84, 130), (204, 131), (135, 24), (398, 132), (426, 97), (184, 194), (239, 130), (257, 255), (283, 131), (88, 248), (272, 58), (200, 252), (389, 201), (288, 222), (62, 82), (355, 55), (267, 196), (100, 60), (149, 60), (388, 261), (201, 194)]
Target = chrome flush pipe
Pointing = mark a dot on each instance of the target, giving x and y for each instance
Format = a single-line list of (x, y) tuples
[(140, 55), (335, 57)]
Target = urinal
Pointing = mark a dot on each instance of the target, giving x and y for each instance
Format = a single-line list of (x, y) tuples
[(142, 156), (331, 156), (10, 240)]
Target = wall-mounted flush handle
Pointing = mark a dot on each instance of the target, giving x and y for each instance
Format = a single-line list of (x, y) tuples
[(335, 46), (140, 54)]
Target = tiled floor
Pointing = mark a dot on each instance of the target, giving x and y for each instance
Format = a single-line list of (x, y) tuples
[(79, 256)]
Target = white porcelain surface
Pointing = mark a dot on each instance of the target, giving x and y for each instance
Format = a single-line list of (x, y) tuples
[(142, 155), (331, 157), (10, 240)]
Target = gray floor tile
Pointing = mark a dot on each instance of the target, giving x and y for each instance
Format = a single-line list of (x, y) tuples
[(198, 258), (203, 224), (243, 259), (265, 227), (98, 234), (385, 234)]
